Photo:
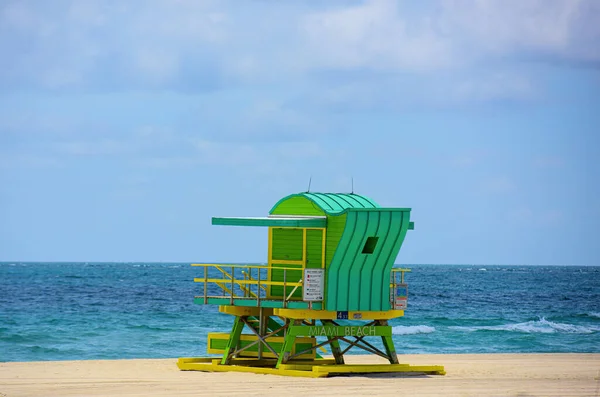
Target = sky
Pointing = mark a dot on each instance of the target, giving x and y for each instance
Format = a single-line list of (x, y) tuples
[(126, 125)]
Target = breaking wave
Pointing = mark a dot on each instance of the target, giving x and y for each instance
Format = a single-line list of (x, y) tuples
[(412, 329), (538, 326)]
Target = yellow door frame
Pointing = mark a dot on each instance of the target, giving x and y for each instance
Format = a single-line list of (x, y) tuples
[(271, 261)]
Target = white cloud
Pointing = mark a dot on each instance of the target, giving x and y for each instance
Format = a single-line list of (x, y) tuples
[(69, 44), (22, 17), (374, 35), (560, 28), (158, 64), (390, 35), (195, 46)]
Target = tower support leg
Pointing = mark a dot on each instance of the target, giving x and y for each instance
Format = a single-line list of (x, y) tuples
[(288, 346), (335, 345), (233, 341), (388, 343)]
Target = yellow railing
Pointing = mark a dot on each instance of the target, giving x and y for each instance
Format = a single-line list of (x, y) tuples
[(394, 276), (394, 284), (247, 291), (253, 283)]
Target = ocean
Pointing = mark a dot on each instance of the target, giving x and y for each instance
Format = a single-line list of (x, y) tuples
[(79, 311)]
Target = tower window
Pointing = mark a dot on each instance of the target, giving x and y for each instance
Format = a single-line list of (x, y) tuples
[(370, 244)]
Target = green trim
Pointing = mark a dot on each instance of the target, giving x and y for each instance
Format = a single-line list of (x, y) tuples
[(341, 330), (276, 222)]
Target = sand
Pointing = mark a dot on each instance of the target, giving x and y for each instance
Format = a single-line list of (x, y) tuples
[(467, 375)]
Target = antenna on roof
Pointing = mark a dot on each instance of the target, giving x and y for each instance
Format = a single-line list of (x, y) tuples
[(352, 185), (309, 181)]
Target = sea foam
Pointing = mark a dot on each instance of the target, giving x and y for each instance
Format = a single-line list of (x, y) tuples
[(412, 329), (538, 326)]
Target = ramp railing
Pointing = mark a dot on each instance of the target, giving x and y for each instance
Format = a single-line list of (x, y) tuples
[(249, 282)]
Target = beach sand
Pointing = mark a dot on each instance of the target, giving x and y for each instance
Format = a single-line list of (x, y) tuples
[(467, 375)]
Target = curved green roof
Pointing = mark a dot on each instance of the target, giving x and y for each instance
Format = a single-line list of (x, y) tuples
[(333, 203)]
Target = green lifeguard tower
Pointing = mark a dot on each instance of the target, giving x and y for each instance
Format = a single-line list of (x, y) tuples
[(329, 281)]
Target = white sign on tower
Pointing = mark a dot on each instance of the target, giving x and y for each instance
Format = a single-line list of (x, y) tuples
[(313, 285)]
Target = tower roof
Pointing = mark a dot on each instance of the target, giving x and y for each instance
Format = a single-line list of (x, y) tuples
[(333, 203)]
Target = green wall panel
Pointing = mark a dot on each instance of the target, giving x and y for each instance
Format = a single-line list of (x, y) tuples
[(314, 248), (297, 205), (357, 280), (365, 261), (287, 244), (335, 229)]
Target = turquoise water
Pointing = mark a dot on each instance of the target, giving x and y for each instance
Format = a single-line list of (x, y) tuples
[(73, 311)]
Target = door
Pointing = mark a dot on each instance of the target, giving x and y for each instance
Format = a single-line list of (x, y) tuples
[(293, 248)]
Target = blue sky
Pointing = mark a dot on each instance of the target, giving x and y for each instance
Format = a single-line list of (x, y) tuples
[(125, 125)]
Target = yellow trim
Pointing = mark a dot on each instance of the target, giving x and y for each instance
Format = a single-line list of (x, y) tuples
[(267, 353), (220, 266), (218, 281), (286, 262), (244, 310), (227, 266), (229, 276), (394, 272), (332, 315), (304, 253), (323, 245), (270, 260), (323, 265), (318, 368), (213, 365), (296, 227)]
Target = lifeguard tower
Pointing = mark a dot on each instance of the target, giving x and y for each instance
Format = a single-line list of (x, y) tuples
[(329, 281)]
